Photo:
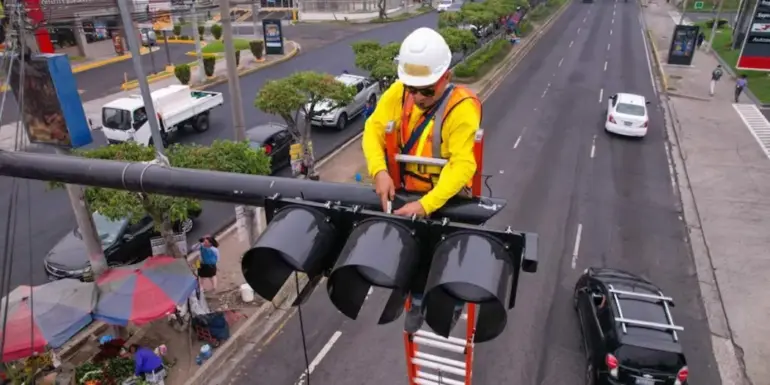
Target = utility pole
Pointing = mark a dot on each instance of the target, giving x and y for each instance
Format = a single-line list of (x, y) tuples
[(684, 11), (141, 77), (255, 5), (76, 193), (715, 25), (197, 37), (236, 104)]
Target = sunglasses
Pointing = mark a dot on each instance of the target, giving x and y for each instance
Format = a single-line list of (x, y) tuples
[(427, 92)]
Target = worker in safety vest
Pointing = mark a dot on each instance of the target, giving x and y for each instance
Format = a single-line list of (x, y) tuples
[(433, 118)]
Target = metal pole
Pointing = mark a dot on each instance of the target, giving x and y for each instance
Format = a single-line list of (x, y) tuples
[(144, 86), (254, 12), (684, 11), (219, 186), (236, 104), (197, 37), (714, 27), (152, 57), (168, 51)]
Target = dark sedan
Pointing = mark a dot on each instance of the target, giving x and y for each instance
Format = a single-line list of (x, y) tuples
[(275, 140), (123, 243)]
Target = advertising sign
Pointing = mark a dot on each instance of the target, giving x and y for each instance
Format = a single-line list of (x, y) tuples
[(683, 44), (53, 111), (755, 53), (271, 28)]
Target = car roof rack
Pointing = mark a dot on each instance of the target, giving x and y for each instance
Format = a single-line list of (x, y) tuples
[(670, 326)]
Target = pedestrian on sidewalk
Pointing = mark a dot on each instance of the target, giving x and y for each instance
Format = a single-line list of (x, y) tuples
[(716, 74), (209, 256), (368, 109), (147, 364), (740, 84), (701, 38)]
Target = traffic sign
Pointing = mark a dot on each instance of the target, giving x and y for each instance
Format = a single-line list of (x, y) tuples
[(698, 5)]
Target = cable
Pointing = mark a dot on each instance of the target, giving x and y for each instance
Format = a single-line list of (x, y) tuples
[(302, 329), (486, 183)]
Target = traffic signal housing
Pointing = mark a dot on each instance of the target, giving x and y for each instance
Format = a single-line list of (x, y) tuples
[(452, 263)]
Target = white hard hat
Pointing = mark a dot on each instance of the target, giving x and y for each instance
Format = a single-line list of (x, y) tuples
[(423, 58)]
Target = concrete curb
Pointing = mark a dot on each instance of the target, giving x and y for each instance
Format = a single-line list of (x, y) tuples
[(165, 75), (686, 96), (729, 362), (659, 64), (102, 63), (251, 332)]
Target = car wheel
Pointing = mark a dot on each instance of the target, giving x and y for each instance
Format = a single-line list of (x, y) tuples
[(342, 121), (202, 123), (186, 226), (590, 373), (575, 300)]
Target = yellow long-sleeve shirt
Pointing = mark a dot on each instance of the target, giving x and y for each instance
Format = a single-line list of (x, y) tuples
[(458, 135)]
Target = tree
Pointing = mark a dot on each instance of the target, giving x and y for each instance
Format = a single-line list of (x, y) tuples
[(228, 156), (459, 40), (295, 98), (381, 8), (376, 59)]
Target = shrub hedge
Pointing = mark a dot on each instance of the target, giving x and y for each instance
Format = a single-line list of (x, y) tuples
[(479, 62), (182, 72)]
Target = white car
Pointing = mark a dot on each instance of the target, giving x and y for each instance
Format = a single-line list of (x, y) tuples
[(327, 115), (627, 115), (443, 5)]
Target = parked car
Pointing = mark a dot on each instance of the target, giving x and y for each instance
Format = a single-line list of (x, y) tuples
[(627, 115), (328, 116), (629, 335), (275, 140), (123, 242), (443, 5)]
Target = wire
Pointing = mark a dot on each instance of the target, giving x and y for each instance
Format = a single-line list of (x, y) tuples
[(486, 183), (302, 329)]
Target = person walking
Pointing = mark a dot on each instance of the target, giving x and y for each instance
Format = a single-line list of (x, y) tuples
[(209, 256), (716, 74), (740, 84), (147, 364), (701, 38)]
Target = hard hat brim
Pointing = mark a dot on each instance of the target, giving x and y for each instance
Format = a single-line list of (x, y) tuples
[(419, 81)]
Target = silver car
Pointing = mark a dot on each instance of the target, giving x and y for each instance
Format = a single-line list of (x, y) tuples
[(327, 115)]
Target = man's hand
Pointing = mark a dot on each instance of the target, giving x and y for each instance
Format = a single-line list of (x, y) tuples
[(411, 208), (383, 186)]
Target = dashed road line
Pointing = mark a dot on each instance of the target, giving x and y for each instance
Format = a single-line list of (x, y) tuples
[(601, 95), (578, 30), (317, 360), (584, 19), (576, 250), (605, 65), (546, 90), (561, 61), (571, 43), (610, 32), (518, 140), (613, 21), (593, 147), (671, 172), (608, 46)]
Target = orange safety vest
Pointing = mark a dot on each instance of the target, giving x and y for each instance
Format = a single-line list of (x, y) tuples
[(422, 178)]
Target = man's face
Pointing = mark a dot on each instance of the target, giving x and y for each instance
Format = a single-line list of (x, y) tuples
[(426, 97)]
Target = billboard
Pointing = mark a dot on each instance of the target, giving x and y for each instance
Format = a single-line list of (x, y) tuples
[(755, 53), (53, 113)]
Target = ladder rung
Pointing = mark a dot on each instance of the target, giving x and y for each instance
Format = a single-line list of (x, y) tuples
[(441, 360), (436, 379), (450, 340), (423, 381), (421, 160), (439, 345), (437, 366), (642, 295)]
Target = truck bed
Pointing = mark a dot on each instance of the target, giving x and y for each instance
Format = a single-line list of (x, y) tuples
[(202, 101)]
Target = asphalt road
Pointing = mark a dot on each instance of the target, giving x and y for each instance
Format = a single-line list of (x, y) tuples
[(106, 80), (559, 172), (50, 211)]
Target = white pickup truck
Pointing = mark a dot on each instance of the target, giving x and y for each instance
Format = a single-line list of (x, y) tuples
[(177, 106)]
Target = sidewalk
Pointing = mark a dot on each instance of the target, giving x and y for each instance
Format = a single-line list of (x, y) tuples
[(724, 175), (93, 108)]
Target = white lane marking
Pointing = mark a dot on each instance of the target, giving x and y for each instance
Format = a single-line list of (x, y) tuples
[(756, 123), (608, 46), (601, 95), (317, 360), (546, 90), (584, 19), (576, 250), (605, 65), (570, 43), (578, 29), (593, 147), (561, 61), (649, 62), (671, 172), (518, 140), (613, 21), (613, 13), (610, 32)]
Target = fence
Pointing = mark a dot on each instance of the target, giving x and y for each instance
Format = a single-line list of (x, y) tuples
[(346, 6)]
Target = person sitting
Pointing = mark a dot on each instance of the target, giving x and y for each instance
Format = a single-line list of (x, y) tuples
[(109, 348)]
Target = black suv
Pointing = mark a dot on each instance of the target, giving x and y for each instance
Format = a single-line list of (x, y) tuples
[(123, 243), (628, 333)]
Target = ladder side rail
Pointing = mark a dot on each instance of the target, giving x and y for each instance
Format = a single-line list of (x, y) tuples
[(620, 308), (670, 319), (410, 349), (470, 331)]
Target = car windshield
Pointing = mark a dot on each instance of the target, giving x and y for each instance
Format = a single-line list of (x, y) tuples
[(116, 119), (630, 109), (638, 357), (107, 230)]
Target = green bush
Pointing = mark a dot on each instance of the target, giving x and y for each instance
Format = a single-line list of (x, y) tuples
[(182, 73), (201, 30), (257, 48), (237, 58), (720, 24), (185, 37), (478, 63), (177, 29), (524, 28), (216, 31), (208, 65)]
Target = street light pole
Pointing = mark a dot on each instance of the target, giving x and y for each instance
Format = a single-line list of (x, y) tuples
[(197, 37), (715, 25), (684, 11), (236, 105), (255, 5)]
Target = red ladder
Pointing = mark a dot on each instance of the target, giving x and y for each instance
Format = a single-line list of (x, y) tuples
[(424, 368)]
